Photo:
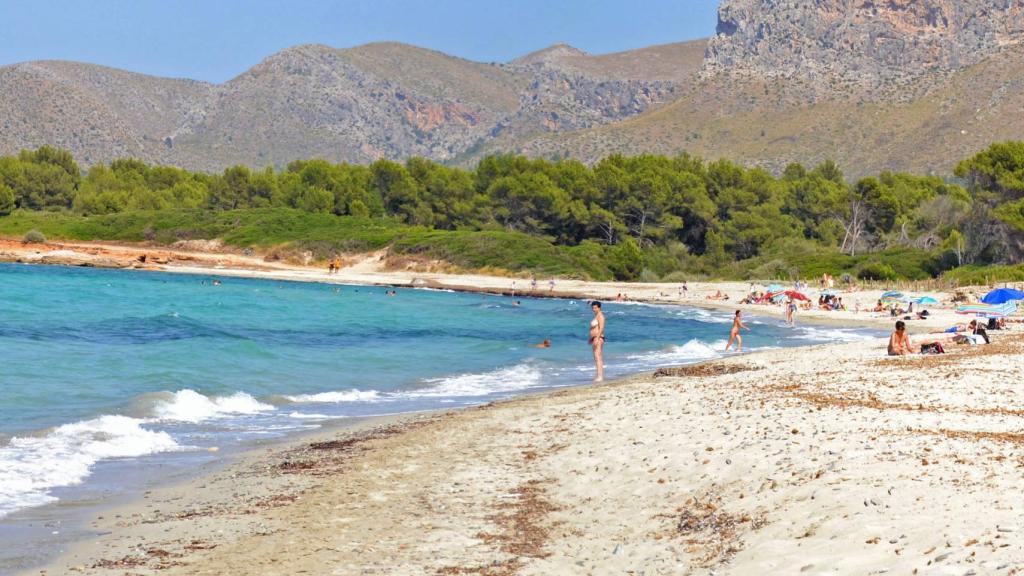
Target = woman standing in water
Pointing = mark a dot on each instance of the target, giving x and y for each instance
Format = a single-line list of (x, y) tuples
[(734, 334), (597, 339)]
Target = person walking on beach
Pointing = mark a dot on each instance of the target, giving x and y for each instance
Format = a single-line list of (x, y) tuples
[(597, 339), (734, 334), (791, 312)]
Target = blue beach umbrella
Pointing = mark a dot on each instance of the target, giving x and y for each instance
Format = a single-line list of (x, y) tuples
[(774, 288), (1002, 296), (925, 300)]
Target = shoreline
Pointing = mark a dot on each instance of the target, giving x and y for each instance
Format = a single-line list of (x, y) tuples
[(83, 557), (755, 463), (372, 270)]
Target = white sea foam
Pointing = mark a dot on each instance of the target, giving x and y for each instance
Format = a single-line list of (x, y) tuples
[(191, 406), (353, 395), (301, 416), (510, 379), (692, 351), (702, 315), (30, 466)]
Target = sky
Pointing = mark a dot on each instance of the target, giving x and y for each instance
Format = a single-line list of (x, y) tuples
[(215, 40)]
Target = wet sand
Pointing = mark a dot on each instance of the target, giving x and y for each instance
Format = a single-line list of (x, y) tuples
[(824, 460)]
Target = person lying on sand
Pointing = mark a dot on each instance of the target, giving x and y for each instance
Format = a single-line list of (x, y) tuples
[(717, 296), (899, 341)]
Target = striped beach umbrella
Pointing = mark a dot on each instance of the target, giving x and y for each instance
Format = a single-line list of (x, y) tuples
[(988, 310)]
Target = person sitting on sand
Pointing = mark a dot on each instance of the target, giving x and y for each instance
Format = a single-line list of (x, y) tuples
[(899, 342), (716, 296), (734, 333), (878, 307), (978, 330), (545, 344)]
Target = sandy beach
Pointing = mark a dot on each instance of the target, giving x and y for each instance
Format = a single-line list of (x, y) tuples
[(831, 459)]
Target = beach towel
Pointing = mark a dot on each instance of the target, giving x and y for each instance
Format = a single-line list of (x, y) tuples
[(933, 348)]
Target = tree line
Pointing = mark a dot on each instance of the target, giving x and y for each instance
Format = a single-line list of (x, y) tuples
[(718, 211)]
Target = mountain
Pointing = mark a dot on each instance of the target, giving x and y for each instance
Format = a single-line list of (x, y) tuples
[(873, 84), (359, 104), (911, 85)]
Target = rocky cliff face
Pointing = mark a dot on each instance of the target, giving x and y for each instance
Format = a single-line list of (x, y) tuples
[(359, 104), (859, 44)]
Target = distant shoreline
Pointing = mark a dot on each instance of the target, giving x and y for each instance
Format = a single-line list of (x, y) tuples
[(370, 269)]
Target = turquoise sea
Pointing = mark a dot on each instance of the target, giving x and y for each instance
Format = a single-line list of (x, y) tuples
[(106, 368)]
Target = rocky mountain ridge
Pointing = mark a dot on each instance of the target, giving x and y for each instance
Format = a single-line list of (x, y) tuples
[(872, 84), (359, 104)]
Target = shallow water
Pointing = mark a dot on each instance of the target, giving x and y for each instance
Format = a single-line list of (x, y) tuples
[(106, 368)]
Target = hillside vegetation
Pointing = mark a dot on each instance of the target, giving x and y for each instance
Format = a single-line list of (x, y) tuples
[(649, 217)]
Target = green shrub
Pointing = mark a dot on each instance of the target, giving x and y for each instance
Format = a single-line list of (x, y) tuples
[(7, 199), (974, 275), (876, 271), (34, 237)]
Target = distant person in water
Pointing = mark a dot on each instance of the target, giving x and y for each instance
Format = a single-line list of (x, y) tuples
[(734, 334), (899, 342), (545, 344), (597, 339), (216, 282)]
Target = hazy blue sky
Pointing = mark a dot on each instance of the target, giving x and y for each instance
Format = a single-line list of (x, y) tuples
[(217, 39)]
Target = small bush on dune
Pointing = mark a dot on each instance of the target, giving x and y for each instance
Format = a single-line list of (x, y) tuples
[(33, 237)]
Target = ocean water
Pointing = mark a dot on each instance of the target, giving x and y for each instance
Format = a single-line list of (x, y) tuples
[(106, 368)]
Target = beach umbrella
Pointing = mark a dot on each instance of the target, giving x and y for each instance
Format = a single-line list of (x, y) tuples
[(988, 310), (893, 295), (774, 288), (830, 292), (796, 295), (1002, 296), (926, 300)]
